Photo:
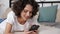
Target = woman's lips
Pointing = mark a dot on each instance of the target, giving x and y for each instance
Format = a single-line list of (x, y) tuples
[(27, 17)]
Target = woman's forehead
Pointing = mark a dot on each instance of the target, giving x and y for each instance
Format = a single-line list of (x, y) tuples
[(28, 7)]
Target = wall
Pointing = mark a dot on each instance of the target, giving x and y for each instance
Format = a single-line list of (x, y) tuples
[(4, 5)]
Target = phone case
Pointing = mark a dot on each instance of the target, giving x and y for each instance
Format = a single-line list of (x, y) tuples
[(34, 27)]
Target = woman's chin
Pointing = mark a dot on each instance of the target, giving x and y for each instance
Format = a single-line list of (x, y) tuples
[(25, 19)]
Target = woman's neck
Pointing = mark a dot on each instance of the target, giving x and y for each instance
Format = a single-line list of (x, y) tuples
[(21, 20)]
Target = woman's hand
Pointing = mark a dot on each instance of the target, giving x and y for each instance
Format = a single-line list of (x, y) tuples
[(34, 32), (27, 32), (31, 32)]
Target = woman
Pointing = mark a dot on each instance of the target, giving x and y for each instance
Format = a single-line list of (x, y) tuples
[(20, 19)]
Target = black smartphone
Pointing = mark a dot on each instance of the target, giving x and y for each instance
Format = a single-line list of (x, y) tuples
[(34, 27)]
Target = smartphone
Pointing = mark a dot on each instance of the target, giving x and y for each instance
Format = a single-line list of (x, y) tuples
[(34, 27)]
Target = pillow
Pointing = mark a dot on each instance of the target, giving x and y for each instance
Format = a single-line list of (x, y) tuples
[(2, 19), (47, 14)]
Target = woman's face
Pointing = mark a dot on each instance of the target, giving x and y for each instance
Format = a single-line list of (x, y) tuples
[(27, 12)]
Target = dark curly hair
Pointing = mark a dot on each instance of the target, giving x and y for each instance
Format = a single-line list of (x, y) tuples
[(19, 5)]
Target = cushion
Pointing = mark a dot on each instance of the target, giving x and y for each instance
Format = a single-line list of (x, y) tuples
[(2, 19), (47, 14)]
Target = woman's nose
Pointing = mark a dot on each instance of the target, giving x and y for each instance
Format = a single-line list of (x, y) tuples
[(27, 13)]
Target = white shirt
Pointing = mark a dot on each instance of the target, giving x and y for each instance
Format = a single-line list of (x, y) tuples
[(12, 19)]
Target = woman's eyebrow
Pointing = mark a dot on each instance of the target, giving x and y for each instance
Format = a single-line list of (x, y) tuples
[(27, 10)]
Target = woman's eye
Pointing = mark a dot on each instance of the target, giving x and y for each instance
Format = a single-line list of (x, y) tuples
[(25, 11), (30, 12)]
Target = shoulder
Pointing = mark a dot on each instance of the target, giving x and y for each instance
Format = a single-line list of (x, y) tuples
[(11, 17), (33, 21), (11, 13)]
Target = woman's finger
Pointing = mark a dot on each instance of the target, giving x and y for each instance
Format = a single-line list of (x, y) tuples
[(35, 30), (28, 32)]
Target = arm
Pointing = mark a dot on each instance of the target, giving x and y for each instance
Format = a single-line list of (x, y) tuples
[(8, 29), (9, 20)]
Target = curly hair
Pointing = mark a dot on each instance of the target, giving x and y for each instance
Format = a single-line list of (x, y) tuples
[(19, 5)]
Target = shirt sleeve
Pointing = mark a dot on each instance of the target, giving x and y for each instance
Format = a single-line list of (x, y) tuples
[(10, 17)]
